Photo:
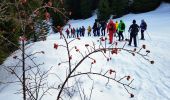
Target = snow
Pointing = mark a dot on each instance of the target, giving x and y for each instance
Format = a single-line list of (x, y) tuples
[(151, 82)]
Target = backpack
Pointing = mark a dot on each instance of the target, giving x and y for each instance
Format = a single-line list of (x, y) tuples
[(122, 27), (143, 26), (135, 28)]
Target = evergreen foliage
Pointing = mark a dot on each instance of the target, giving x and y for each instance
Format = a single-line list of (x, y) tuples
[(7, 32), (139, 6), (73, 6), (86, 8), (119, 7), (79, 8), (103, 10), (167, 1)]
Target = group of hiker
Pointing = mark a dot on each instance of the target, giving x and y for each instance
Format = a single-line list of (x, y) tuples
[(114, 29)]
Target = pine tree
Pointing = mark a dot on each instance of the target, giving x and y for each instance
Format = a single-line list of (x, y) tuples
[(103, 10), (79, 8), (86, 8), (119, 7), (73, 6), (144, 5), (95, 4), (167, 1)]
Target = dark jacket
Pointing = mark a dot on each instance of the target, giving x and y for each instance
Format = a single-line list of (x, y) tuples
[(103, 24), (143, 26), (95, 26), (134, 29)]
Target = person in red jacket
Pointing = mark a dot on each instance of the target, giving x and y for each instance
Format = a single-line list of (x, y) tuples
[(111, 28)]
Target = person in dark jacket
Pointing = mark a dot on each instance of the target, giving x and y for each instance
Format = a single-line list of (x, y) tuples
[(133, 29), (103, 27), (98, 28), (80, 31), (83, 31), (143, 27), (77, 31), (95, 28)]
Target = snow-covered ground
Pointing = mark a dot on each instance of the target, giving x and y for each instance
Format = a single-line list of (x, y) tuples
[(151, 82)]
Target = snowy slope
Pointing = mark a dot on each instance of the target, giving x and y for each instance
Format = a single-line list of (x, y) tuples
[(151, 82)]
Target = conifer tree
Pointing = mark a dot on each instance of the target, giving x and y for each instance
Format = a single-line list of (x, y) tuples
[(119, 7), (167, 1), (103, 10), (86, 8), (144, 5)]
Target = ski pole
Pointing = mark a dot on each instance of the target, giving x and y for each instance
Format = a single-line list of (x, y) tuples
[(148, 35)]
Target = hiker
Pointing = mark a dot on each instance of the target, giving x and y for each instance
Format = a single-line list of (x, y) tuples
[(103, 26), (111, 28), (143, 27), (121, 29), (73, 32), (98, 28), (83, 30), (68, 33), (77, 31), (95, 28), (116, 28), (133, 29), (89, 30), (60, 29), (69, 25), (80, 31)]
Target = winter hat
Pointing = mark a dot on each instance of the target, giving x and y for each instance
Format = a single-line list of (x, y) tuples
[(121, 21), (142, 20), (134, 21)]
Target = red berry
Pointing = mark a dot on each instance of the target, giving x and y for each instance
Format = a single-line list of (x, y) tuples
[(55, 45), (128, 78), (144, 46), (49, 4), (77, 50), (152, 62), (94, 61), (111, 71), (131, 95), (86, 45), (47, 15)]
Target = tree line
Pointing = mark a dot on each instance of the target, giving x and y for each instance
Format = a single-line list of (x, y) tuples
[(117, 8)]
